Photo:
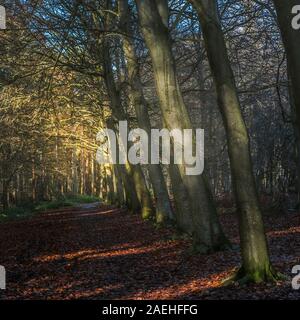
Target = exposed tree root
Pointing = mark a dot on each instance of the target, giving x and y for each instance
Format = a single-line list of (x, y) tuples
[(147, 214), (242, 277)]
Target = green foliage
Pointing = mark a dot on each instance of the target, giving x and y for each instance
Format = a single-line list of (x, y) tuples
[(15, 213), (30, 209), (56, 204), (82, 199), (67, 201)]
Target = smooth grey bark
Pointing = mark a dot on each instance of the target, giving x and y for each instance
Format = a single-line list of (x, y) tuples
[(74, 172), (194, 200), (255, 257), (291, 41), (134, 171), (137, 99), (118, 185), (5, 195), (131, 197), (111, 192)]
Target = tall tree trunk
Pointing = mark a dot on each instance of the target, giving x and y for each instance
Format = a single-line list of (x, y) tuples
[(124, 172), (132, 199), (74, 173), (119, 114), (92, 176), (296, 146), (195, 200), (118, 185), (111, 192), (137, 99), (5, 195), (256, 265), (141, 190), (291, 41)]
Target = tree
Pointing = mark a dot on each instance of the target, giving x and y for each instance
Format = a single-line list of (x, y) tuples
[(255, 258), (291, 41), (133, 171), (193, 198), (137, 99)]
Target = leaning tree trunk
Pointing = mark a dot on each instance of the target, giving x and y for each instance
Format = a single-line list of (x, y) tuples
[(118, 185), (195, 201), (291, 41), (255, 258), (111, 192), (132, 199), (137, 99), (5, 195), (134, 171), (132, 182)]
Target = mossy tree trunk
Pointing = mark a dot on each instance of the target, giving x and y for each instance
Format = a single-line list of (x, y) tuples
[(193, 198), (291, 41), (134, 171), (255, 258), (118, 185), (137, 99)]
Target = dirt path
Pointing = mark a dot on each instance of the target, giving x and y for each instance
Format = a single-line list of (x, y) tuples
[(104, 253)]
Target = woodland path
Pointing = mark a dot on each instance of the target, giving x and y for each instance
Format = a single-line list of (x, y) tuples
[(100, 252)]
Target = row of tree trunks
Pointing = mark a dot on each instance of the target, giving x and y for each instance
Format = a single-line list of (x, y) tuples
[(136, 96), (130, 172), (193, 199)]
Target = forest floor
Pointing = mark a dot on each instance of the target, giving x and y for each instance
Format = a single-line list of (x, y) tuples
[(95, 252)]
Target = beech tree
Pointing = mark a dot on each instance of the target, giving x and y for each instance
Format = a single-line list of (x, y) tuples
[(137, 99), (256, 264), (69, 69), (194, 202)]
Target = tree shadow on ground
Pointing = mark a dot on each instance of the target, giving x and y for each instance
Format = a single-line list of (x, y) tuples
[(110, 254)]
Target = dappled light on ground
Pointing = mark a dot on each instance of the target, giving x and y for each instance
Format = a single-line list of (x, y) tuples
[(106, 253)]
